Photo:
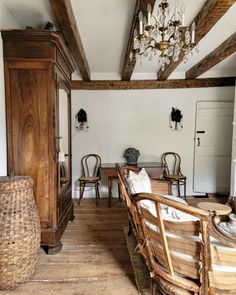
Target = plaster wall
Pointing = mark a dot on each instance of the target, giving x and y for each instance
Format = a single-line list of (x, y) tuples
[(233, 164), (6, 22), (120, 119)]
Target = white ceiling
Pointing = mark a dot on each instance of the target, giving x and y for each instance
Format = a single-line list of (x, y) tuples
[(33, 13), (104, 26)]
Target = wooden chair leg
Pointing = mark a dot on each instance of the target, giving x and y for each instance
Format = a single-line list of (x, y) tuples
[(81, 189), (97, 193), (185, 197), (178, 188)]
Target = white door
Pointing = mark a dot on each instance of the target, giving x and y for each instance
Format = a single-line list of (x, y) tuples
[(213, 144)]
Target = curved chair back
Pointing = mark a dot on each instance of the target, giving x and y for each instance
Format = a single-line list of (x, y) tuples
[(90, 165), (172, 161)]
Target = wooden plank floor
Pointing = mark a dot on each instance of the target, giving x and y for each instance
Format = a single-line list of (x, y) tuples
[(94, 259)]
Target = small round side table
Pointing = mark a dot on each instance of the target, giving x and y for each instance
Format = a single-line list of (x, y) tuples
[(220, 209)]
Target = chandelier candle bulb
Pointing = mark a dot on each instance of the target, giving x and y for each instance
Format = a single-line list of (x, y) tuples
[(193, 27), (140, 23), (149, 10)]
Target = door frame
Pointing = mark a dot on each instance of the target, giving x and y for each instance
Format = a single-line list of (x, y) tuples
[(195, 137)]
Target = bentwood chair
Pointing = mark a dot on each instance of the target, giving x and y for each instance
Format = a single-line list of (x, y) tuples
[(90, 177), (172, 161)]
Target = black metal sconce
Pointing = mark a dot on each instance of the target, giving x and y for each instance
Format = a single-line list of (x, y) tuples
[(81, 122), (176, 119)]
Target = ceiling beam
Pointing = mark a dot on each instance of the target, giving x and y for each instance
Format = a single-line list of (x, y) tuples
[(208, 16), (151, 84), (129, 64), (67, 23), (227, 48)]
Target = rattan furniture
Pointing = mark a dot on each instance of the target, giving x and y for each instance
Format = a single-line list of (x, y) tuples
[(186, 255)]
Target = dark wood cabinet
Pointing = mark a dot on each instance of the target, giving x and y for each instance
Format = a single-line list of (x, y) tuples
[(37, 68)]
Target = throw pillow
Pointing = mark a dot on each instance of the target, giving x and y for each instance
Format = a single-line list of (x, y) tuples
[(140, 182)]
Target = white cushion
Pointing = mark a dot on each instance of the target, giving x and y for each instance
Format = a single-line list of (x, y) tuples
[(139, 182), (169, 213), (176, 199)]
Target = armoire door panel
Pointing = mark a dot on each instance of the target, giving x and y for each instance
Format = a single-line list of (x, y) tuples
[(30, 132)]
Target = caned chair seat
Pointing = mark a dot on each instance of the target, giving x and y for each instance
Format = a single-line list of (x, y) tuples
[(176, 177), (90, 164), (90, 179)]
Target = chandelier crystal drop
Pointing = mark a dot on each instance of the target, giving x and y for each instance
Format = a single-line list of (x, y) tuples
[(163, 35)]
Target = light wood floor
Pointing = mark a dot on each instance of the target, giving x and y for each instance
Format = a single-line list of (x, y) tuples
[(211, 198), (94, 259)]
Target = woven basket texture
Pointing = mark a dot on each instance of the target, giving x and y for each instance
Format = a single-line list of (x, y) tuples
[(20, 231)]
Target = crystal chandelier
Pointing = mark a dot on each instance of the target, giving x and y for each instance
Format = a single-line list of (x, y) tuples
[(163, 34)]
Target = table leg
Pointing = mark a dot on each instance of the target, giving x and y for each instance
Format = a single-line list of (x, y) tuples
[(109, 191)]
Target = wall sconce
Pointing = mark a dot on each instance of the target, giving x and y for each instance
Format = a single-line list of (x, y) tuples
[(176, 119), (81, 121)]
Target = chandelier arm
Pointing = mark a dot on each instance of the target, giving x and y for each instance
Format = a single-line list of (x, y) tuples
[(150, 46), (156, 21), (172, 36)]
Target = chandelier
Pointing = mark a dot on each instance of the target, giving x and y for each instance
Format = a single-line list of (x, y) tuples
[(164, 34)]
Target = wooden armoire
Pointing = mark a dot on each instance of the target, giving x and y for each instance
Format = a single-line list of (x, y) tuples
[(38, 72)]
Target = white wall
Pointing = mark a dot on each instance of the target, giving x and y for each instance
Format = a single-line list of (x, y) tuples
[(6, 22), (233, 165), (138, 118)]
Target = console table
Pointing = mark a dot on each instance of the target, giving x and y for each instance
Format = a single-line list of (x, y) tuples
[(154, 170)]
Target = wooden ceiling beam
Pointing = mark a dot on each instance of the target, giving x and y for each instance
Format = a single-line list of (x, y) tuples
[(227, 48), (208, 16), (151, 84), (67, 23), (129, 64)]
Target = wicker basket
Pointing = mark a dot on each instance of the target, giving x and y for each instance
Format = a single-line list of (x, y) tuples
[(20, 231)]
